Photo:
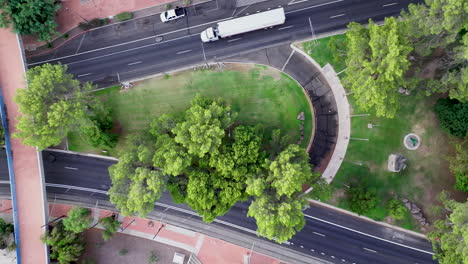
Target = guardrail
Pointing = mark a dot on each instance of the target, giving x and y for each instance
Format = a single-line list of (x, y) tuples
[(12, 176)]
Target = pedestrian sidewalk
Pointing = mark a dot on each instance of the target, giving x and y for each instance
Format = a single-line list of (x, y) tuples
[(74, 12), (26, 169), (207, 249)]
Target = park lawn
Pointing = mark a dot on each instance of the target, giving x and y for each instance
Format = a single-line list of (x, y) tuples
[(320, 52), (427, 172), (260, 95)]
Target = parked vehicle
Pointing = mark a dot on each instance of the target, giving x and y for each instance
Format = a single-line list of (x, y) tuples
[(244, 24), (173, 14)]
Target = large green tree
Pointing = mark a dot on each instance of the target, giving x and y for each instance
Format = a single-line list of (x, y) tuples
[(52, 105), (204, 126), (278, 203), (453, 116), (458, 165), (136, 184), (78, 220), (30, 16), (377, 59), (65, 246), (450, 235)]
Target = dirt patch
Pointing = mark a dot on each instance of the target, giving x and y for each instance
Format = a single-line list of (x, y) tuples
[(139, 249), (242, 67), (430, 69), (337, 196)]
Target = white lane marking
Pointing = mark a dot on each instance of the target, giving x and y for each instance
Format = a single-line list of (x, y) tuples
[(293, 2), (133, 41), (312, 250), (322, 253), (343, 260), (395, 3), (318, 234), (302, 246), (281, 28), (236, 39), (133, 63), (337, 15), (365, 234), (182, 52), (371, 250), (310, 7), (332, 256), (81, 75), (81, 42), (71, 168)]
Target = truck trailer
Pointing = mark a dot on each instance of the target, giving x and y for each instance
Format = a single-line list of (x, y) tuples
[(244, 24)]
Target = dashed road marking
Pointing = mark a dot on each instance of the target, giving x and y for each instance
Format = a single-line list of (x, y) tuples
[(184, 51), (337, 15), (281, 28), (371, 250), (318, 234), (81, 75), (133, 63), (390, 4), (71, 168), (236, 39)]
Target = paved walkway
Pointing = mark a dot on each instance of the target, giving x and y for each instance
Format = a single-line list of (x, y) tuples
[(29, 183)]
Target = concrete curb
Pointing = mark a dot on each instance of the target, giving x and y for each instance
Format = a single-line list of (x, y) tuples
[(82, 154), (344, 121), (367, 218)]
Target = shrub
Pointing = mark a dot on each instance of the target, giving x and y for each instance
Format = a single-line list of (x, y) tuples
[(458, 165), (111, 225), (50, 45), (123, 252), (65, 246), (168, 6), (453, 116), (66, 35), (186, 2), (93, 23), (396, 209), (85, 26), (153, 258), (361, 200), (124, 16), (78, 219)]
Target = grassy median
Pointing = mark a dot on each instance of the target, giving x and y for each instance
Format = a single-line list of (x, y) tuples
[(260, 95)]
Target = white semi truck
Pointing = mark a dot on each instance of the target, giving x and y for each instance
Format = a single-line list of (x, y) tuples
[(244, 24)]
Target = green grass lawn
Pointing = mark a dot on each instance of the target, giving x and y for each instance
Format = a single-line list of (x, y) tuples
[(320, 52), (427, 173), (260, 95)]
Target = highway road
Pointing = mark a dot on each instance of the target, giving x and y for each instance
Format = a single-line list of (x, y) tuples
[(144, 47), (328, 234)]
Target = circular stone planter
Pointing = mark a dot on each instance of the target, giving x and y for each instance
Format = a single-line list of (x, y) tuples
[(412, 141)]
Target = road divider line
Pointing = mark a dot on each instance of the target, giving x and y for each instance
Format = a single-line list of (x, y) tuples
[(315, 6), (365, 234), (134, 63), (71, 168), (293, 2), (236, 39), (182, 52), (81, 75), (340, 15), (391, 4), (281, 28), (319, 234), (371, 250)]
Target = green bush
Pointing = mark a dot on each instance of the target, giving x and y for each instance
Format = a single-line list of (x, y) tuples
[(453, 116), (66, 35), (153, 258), (65, 246), (93, 23), (111, 225), (124, 16), (84, 26), (168, 6), (396, 209), (361, 200), (123, 252), (78, 219), (186, 2)]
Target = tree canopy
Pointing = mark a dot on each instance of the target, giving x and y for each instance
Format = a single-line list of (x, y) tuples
[(458, 165), (453, 116), (78, 219), (52, 104), (450, 235), (30, 16), (377, 58), (65, 246), (207, 161)]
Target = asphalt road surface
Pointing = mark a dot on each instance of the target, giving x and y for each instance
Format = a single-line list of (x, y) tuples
[(146, 46), (328, 234)]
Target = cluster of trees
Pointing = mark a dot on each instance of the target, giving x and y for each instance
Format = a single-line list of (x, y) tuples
[(450, 235), (210, 162), (54, 103), (30, 16), (6, 230), (66, 240), (425, 51)]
